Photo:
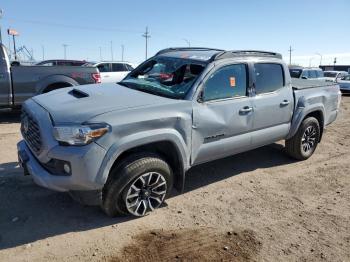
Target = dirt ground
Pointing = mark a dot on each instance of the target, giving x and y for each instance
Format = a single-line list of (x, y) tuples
[(256, 206)]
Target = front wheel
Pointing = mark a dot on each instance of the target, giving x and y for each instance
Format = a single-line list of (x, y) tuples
[(303, 144), (138, 186)]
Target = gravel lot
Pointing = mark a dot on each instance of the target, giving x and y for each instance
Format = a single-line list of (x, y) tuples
[(256, 206)]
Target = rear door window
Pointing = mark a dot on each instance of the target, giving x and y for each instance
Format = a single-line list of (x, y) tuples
[(118, 67), (312, 74), (268, 77), (227, 82), (104, 67)]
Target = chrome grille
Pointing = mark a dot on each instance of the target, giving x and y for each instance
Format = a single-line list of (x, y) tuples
[(30, 131)]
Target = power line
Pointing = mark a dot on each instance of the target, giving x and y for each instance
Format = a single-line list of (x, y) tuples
[(146, 35)]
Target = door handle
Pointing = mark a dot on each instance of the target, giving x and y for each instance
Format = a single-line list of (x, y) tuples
[(246, 110), (106, 76), (284, 103)]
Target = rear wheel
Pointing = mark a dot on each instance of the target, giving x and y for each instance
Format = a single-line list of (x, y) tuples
[(303, 144), (138, 186)]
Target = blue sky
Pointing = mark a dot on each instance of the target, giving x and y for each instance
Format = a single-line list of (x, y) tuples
[(310, 27)]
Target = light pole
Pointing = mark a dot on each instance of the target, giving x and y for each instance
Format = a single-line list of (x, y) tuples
[(100, 53), (112, 51), (187, 41), (320, 57), (310, 60), (65, 50), (122, 46), (43, 52)]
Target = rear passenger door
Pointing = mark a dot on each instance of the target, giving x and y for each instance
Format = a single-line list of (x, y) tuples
[(119, 71), (273, 104)]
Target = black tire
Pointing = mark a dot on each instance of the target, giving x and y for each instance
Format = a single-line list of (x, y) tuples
[(295, 146), (123, 176)]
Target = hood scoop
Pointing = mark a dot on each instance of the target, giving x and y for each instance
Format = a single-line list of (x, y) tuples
[(78, 93)]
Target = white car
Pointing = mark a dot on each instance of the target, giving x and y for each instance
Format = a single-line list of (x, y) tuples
[(333, 76), (344, 84), (112, 72)]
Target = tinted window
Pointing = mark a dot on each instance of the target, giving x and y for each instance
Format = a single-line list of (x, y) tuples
[(330, 74), (312, 74), (104, 67), (269, 77), (118, 68), (319, 73), (295, 73), (227, 82)]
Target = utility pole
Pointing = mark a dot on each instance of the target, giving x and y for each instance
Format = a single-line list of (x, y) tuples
[(146, 35), (1, 12), (65, 50), (122, 46), (100, 53), (112, 58), (290, 50), (14, 46), (43, 52)]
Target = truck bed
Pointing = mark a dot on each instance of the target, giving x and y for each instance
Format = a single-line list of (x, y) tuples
[(299, 84)]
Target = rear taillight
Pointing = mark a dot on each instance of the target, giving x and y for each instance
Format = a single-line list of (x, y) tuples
[(96, 77)]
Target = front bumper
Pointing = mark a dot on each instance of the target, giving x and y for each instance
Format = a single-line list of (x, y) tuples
[(85, 163)]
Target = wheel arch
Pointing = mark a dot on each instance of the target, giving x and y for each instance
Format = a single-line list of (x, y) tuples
[(171, 150), (301, 114), (42, 85)]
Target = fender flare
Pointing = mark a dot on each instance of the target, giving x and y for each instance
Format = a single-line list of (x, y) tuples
[(52, 79), (142, 139), (301, 112)]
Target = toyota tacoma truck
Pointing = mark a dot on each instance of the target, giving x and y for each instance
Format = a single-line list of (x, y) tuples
[(126, 145), (18, 83)]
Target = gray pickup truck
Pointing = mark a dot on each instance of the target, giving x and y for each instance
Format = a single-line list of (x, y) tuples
[(18, 83), (124, 146)]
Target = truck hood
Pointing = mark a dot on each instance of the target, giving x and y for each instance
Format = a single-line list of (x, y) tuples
[(79, 104)]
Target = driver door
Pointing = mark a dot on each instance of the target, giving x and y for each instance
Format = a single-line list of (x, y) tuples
[(222, 119)]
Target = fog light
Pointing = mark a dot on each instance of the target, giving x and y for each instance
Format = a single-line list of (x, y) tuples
[(66, 168)]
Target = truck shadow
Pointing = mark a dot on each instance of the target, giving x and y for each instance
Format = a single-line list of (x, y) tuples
[(29, 213), (264, 157)]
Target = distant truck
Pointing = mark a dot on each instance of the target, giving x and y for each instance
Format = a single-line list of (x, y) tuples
[(124, 146), (306, 73), (18, 83)]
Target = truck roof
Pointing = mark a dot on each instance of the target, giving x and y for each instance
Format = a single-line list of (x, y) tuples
[(211, 54)]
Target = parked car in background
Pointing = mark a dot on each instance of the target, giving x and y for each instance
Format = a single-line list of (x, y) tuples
[(124, 146), (61, 62), (306, 73), (334, 76), (18, 83), (112, 72), (344, 84)]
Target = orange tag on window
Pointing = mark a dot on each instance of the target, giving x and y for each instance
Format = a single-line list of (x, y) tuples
[(232, 81)]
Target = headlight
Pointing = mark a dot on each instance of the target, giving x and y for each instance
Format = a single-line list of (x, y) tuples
[(79, 135)]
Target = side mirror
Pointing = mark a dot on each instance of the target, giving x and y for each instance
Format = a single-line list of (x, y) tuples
[(303, 77)]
